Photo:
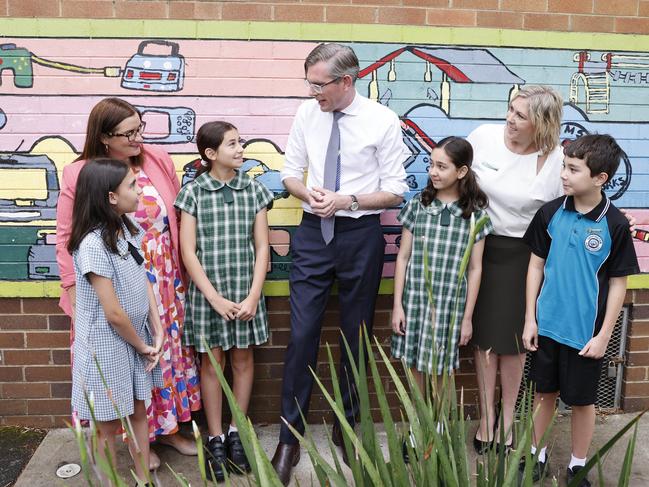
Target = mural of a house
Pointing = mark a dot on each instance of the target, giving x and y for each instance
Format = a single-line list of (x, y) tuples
[(456, 64)]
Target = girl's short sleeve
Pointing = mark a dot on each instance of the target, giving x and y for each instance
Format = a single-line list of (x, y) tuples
[(408, 213), (92, 256), (263, 196), (186, 199), (487, 229)]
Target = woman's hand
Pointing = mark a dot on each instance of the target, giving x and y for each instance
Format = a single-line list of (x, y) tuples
[(226, 308), (631, 218), (466, 331), (398, 320), (248, 308)]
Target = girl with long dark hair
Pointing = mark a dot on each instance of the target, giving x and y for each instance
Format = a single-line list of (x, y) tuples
[(437, 227), (118, 332)]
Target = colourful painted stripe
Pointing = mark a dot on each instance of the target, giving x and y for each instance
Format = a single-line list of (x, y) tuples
[(200, 29)]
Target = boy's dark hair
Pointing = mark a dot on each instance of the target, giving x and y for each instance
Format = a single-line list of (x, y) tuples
[(92, 209), (472, 198), (600, 152), (210, 136)]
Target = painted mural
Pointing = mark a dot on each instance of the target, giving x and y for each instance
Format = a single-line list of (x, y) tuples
[(49, 85)]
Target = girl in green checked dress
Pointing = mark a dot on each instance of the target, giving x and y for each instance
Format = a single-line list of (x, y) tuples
[(436, 231), (224, 244)]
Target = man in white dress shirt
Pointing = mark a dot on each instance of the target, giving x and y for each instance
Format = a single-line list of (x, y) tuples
[(353, 153)]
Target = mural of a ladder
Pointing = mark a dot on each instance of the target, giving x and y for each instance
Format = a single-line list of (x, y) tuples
[(596, 84)]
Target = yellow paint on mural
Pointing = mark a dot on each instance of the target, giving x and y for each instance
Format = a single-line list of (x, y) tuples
[(265, 152), (51, 289), (639, 281), (23, 185), (59, 150)]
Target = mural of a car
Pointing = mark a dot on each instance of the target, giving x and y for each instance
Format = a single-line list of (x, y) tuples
[(179, 123), (155, 72), (29, 189), (262, 173), (425, 124)]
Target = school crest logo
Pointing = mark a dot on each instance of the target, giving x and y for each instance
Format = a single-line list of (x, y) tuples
[(593, 242)]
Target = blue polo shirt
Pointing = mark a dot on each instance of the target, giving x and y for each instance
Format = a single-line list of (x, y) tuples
[(581, 252)]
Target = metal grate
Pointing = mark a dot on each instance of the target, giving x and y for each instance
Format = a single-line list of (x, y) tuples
[(609, 387)]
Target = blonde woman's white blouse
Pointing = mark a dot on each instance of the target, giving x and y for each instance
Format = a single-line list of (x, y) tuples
[(510, 180)]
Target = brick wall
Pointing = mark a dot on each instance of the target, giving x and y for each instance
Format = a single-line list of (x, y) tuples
[(635, 387), (622, 16), (35, 363)]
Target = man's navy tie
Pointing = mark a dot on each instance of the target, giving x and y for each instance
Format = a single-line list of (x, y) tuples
[(331, 174)]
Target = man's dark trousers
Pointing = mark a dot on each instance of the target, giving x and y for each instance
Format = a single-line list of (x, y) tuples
[(355, 259)]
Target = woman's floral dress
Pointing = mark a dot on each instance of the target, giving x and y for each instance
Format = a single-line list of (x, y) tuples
[(180, 394)]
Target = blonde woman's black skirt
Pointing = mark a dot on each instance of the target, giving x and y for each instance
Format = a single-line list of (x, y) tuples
[(499, 314)]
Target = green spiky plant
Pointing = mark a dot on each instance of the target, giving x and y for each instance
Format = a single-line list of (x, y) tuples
[(437, 422)]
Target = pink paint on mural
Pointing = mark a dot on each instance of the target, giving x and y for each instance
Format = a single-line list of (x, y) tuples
[(167, 119), (120, 66)]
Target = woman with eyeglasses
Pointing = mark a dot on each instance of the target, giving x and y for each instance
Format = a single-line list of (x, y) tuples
[(115, 130)]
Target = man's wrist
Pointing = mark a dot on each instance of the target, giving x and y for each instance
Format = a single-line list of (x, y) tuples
[(353, 203)]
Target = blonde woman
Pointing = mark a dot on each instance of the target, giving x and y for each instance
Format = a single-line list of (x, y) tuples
[(518, 166)]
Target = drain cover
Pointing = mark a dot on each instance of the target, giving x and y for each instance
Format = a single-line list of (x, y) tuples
[(68, 470)]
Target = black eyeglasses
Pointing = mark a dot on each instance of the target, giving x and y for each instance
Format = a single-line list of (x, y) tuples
[(131, 134), (317, 87)]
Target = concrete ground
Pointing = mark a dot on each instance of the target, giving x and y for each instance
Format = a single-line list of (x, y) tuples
[(59, 447)]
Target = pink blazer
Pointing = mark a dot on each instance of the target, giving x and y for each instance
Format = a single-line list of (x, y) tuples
[(157, 165)]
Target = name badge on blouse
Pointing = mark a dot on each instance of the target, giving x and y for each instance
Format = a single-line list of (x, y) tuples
[(487, 165)]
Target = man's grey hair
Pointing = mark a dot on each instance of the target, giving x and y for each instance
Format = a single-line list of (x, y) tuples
[(341, 59)]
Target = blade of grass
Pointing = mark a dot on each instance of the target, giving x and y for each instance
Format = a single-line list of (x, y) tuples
[(333, 477), (367, 462), (625, 473)]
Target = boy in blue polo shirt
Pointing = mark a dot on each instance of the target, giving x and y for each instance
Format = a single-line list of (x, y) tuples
[(582, 252)]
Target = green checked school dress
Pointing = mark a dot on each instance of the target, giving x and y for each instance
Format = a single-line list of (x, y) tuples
[(225, 216), (431, 346)]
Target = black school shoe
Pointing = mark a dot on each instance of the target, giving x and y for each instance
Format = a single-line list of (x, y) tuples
[(217, 459), (538, 470), (571, 473), (236, 454), (481, 447)]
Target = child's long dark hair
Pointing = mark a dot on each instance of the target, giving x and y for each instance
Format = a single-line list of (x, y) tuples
[(471, 196), (210, 136), (92, 209)]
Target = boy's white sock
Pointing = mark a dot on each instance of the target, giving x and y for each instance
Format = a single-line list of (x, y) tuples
[(222, 436), (542, 453), (576, 462), (231, 429)]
